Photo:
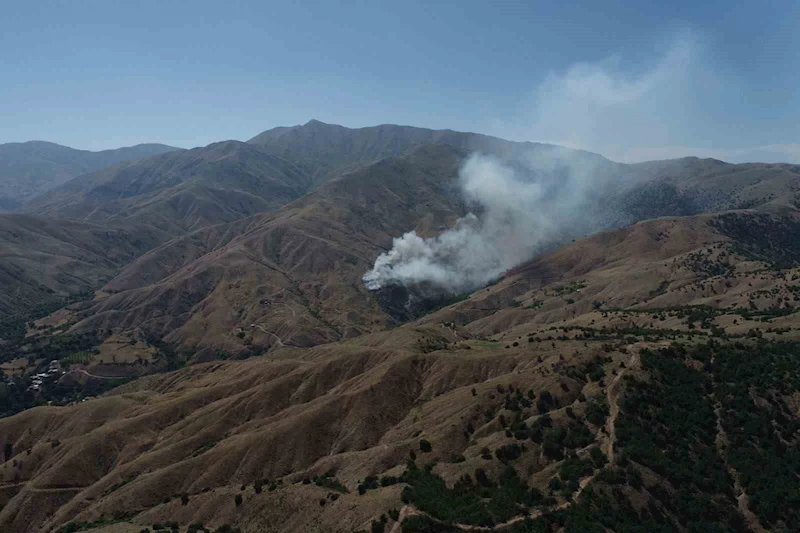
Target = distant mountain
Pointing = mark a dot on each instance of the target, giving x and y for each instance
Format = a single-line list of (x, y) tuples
[(717, 186), (324, 149), (179, 191), (225, 181), (31, 168), (296, 273)]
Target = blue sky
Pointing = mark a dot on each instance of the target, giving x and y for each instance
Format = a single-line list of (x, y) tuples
[(631, 80)]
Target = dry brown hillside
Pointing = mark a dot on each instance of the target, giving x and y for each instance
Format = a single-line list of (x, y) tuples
[(324, 151), (44, 260), (178, 191), (291, 278), (643, 378), (718, 186), (173, 194), (530, 387), (31, 168)]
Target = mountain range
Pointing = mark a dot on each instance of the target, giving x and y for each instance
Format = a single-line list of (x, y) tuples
[(31, 168), (224, 365)]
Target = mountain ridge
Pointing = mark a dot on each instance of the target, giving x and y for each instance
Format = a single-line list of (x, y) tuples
[(32, 167), (329, 148), (186, 189)]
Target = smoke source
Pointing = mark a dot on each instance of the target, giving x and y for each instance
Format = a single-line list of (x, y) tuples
[(522, 206)]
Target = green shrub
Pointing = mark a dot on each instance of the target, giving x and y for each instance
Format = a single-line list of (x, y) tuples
[(508, 452), (597, 411), (598, 457)]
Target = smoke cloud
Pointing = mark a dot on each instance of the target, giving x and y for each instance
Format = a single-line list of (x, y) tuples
[(602, 107), (522, 206)]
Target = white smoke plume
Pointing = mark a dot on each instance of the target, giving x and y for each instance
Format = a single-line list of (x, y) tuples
[(520, 210), (523, 206), (617, 109)]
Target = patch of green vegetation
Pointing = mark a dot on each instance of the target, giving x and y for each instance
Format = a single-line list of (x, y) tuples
[(762, 237), (661, 289), (694, 314), (483, 502), (559, 440), (569, 288), (516, 401), (597, 411), (486, 344), (600, 510), (668, 425), (706, 264), (440, 303), (425, 524), (170, 358), (15, 396), (328, 481), (608, 333), (753, 384), (14, 327), (204, 447), (429, 493), (428, 345), (593, 369), (76, 358)]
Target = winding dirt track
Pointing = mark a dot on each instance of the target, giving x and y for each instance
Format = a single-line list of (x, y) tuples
[(612, 395), (31, 488), (84, 372), (262, 328)]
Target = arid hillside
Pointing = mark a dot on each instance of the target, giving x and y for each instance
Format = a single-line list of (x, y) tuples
[(293, 277), (179, 191), (220, 364), (289, 278), (718, 186), (618, 380), (43, 260), (31, 168), (327, 150)]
